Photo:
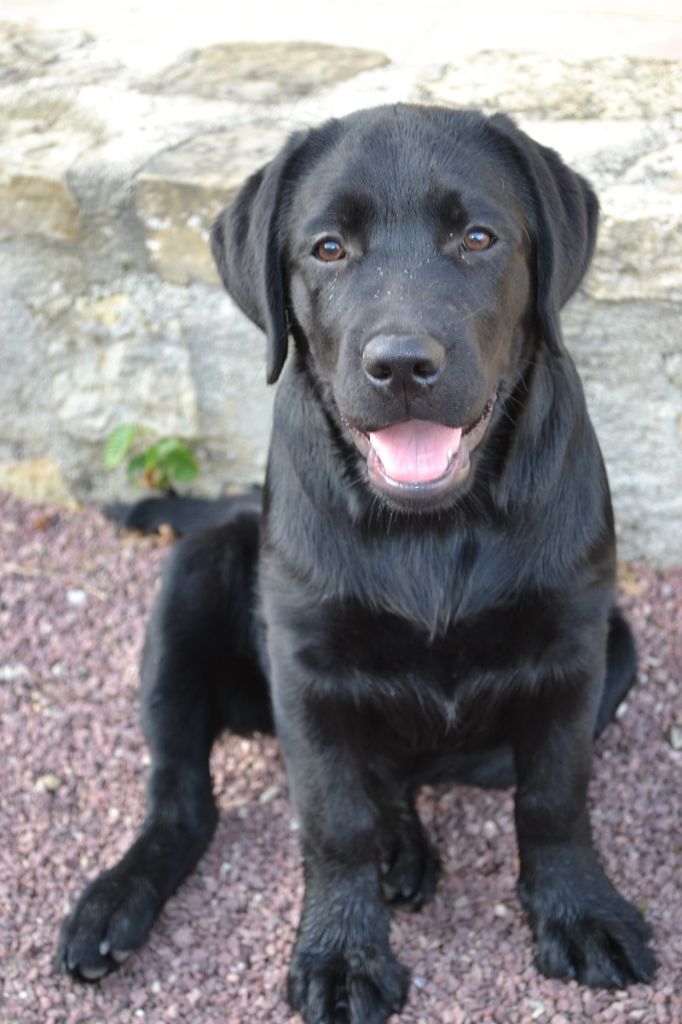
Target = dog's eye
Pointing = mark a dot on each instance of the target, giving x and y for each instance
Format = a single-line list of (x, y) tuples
[(477, 239), (329, 250)]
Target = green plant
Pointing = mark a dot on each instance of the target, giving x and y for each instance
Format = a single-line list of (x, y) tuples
[(161, 464)]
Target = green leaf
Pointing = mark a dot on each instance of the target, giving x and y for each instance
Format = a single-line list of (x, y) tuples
[(117, 445), (151, 456), (136, 465), (166, 446), (181, 465)]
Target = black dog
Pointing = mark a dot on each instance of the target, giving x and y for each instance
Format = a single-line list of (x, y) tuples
[(428, 594)]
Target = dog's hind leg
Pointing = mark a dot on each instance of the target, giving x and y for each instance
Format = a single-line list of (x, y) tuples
[(200, 674)]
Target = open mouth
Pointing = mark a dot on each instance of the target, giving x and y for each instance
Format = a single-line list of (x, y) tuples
[(417, 462)]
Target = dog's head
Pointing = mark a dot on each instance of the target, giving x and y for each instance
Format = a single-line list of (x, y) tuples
[(416, 255)]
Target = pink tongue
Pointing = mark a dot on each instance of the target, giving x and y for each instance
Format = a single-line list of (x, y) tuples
[(415, 451)]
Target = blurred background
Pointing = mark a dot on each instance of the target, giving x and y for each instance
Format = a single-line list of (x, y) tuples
[(125, 128)]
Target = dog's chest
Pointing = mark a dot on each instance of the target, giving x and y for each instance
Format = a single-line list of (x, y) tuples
[(377, 656)]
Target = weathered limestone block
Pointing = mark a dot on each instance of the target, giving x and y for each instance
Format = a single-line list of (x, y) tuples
[(25, 402), (263, 72), (35, 159), (630, 359), (36, 480), (112, 366), (27, 53), (179, 194), (640, 244), (637, 172), (639, 252), (235, 405), (537, 87), (37, 205), (178, 361)]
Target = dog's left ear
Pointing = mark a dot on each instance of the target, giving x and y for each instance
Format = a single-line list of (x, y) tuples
[(566, 214), (246, 242)]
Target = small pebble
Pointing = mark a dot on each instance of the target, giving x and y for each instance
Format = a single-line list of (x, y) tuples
[(48, 783), (8, 673), (675, 737), (184, 937)]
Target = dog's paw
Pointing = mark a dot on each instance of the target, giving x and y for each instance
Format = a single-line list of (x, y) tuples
[(600, 940), (356, 986), (110, 920), (410, 873)]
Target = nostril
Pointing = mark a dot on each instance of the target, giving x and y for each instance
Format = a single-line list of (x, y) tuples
[(425, 369), (403, 360), (376, 361), (380, 371)]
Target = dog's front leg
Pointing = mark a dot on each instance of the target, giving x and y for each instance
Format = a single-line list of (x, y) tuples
[(583, 927), (343, 970)]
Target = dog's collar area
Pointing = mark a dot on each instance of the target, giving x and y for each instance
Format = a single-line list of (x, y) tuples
[(416, 462)]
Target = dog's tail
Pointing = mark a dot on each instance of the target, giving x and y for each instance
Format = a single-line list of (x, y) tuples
[(182, 515)]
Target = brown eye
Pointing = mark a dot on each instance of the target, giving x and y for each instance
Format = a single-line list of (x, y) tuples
[(477, 239), (329, 250)]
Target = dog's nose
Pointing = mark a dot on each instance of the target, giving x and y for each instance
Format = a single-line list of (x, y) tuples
[(403, 362)]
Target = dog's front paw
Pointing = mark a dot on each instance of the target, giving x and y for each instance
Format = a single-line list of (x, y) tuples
[(592, 935), (355, 986), (111, 919)]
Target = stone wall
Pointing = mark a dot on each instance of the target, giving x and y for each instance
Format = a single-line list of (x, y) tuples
[(110, 309)]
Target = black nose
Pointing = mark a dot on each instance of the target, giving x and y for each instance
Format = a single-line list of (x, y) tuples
[(398, 362)]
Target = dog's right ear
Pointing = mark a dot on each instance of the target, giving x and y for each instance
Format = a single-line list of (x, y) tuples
[(246, 242)]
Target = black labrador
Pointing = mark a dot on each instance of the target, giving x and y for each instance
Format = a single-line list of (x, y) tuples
[(425, 592)]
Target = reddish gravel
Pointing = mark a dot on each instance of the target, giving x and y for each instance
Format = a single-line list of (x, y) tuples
[(74, 596)]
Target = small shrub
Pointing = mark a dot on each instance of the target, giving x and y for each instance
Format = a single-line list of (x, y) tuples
[(162, 464)]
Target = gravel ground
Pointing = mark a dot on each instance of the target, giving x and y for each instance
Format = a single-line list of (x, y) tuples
[(74, 596)]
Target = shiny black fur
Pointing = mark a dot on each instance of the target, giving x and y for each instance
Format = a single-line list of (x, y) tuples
[(475, 640)]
